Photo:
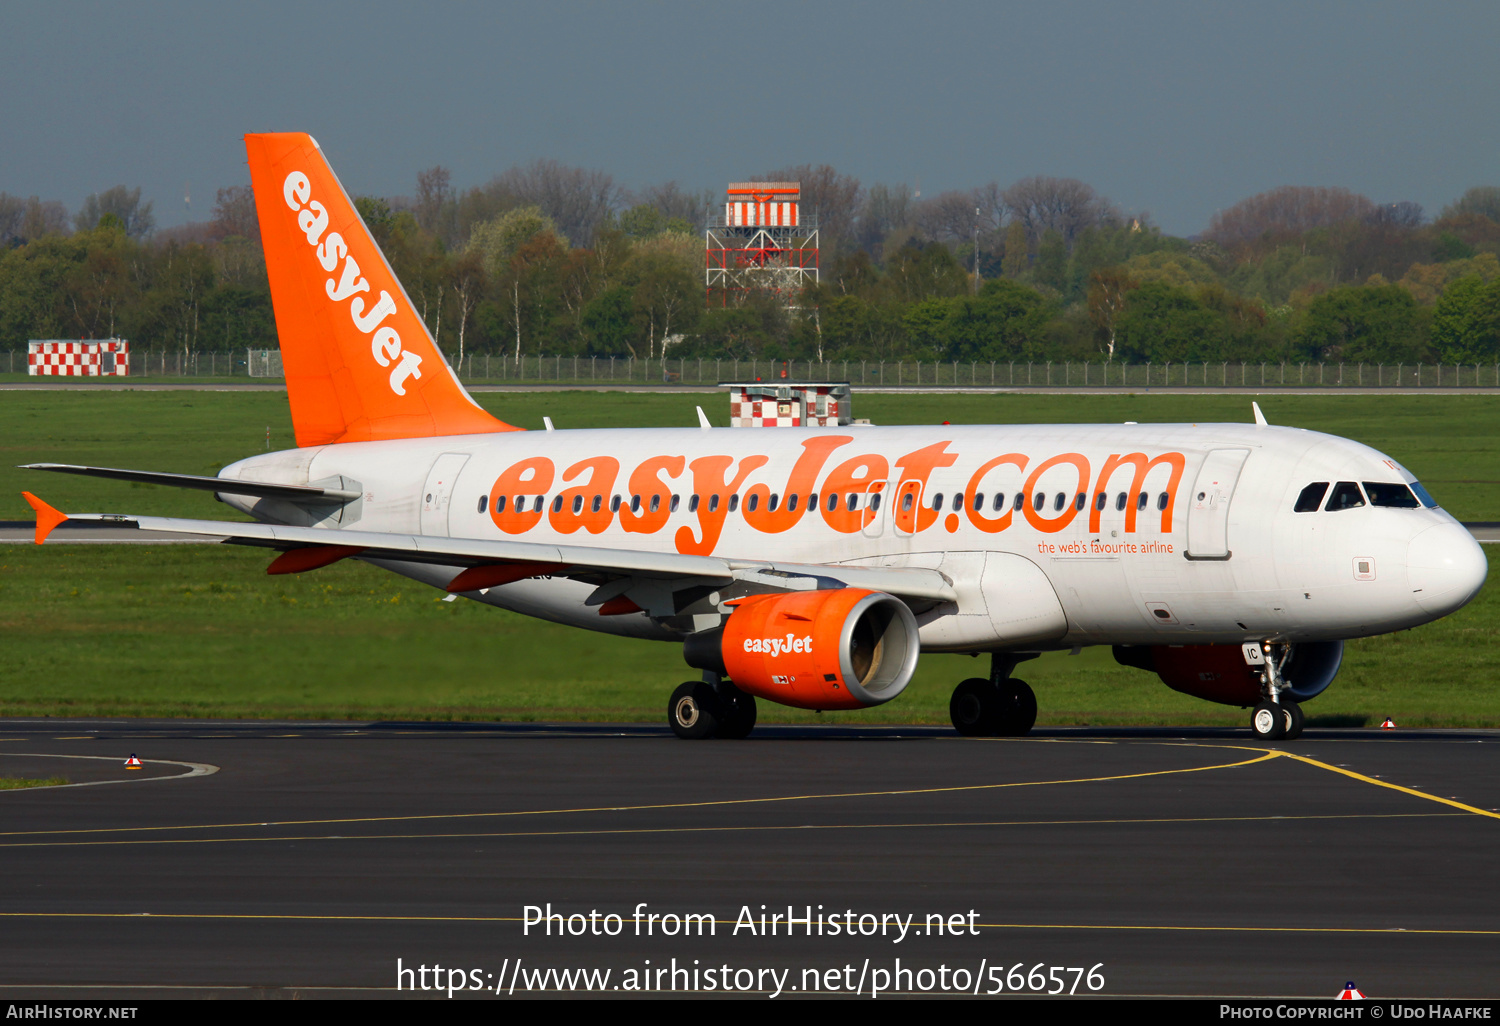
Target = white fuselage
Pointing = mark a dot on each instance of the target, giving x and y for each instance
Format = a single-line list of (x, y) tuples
[(1196, 542)]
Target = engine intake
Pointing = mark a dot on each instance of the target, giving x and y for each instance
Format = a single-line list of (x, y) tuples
[(1219, 673), (842, 649)]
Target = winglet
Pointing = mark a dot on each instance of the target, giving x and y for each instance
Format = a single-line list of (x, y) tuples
[(47, 518), (1260, 418)]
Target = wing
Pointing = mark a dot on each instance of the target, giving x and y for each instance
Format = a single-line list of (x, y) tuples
[(659, 583)]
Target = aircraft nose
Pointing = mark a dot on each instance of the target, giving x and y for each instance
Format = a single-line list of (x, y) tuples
[(1446, 567)]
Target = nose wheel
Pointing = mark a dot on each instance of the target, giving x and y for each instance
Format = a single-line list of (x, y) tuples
[(1291, 714), (1277, 721), (1267, 722)]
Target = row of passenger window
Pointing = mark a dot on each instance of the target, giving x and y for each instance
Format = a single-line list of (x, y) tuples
[(653, 503), (851, 502), (1348, 495), (1039, 501)]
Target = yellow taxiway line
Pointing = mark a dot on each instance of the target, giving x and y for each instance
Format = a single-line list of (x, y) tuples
[(1262, 757)]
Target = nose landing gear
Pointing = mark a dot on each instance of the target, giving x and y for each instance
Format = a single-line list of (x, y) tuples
[(1003, 706), (1276, 718)]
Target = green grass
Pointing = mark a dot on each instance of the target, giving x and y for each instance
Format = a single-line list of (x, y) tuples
[(201, 631), (16, 783), (188, 630)]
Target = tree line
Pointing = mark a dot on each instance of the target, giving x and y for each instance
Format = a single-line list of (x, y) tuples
[(551, 259)]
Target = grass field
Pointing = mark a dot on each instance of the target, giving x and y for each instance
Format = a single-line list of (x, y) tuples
[(16, 783), (201, 631)]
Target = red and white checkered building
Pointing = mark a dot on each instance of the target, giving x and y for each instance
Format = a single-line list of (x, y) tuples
[(83, 358), (789, 404)]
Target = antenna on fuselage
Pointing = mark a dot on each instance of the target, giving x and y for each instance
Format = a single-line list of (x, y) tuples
[(547, 423), (1260, 418)]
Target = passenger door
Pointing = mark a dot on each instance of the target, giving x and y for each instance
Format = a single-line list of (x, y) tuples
[(438, 491), (1208, 506)]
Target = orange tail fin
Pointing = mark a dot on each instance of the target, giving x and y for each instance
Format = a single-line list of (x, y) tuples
[(360, 364)]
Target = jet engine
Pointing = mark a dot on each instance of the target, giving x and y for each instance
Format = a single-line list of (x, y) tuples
[(1219, 673), (841, 649)]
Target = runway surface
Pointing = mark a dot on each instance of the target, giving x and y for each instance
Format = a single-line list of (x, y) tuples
[(281, 858)]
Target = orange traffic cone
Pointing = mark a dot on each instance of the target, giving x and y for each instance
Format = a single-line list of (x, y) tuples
[(132, 762), (1389, 724), (1350, 993)]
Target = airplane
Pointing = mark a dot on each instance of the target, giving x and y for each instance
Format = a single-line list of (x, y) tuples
[(811, 566)]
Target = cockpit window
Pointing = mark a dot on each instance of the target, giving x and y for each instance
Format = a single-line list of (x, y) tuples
[(1311, 497), (1346, 495), (1398, 496), (1427, 500)]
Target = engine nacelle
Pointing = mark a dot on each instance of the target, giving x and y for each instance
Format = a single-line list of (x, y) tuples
[(842, 649), (1219, 673)]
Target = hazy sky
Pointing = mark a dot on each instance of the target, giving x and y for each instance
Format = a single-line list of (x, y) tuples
[(1178, 109)]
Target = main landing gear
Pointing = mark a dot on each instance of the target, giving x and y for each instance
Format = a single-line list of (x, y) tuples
[(1003, 706), (702, 709), (1277, 718)]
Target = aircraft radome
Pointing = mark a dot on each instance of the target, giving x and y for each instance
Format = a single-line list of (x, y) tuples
[(811, 566)]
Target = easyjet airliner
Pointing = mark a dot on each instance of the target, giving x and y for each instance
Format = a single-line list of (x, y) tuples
[(810, 567)]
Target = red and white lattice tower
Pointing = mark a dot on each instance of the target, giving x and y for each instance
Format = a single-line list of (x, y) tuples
[(78, 357), (764, 243)]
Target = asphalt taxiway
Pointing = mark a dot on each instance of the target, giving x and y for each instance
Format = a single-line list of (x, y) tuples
[(306, 858)]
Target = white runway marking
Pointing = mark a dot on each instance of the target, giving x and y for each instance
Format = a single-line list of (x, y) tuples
[(194, 769)]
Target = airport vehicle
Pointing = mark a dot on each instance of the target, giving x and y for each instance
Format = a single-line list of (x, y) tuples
[(811, 566)]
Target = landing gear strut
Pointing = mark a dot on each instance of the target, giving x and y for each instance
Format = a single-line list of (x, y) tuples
[(707, 708), (1003, 706), (1276, 718)]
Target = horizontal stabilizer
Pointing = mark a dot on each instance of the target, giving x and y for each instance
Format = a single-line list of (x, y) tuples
[(229, 486)]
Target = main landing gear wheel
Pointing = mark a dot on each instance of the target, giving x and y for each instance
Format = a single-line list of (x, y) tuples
[(981, 709), (973, 707), (694, 710), (1269, 721), (1018, 708), (737, 712), (1291, 714)]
